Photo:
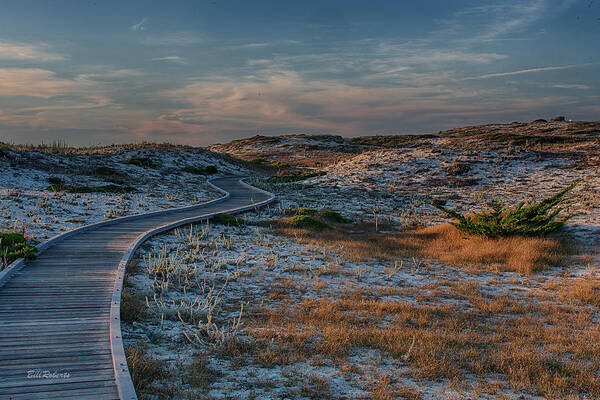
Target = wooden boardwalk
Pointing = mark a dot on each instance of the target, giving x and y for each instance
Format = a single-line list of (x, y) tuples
[(59, 315)]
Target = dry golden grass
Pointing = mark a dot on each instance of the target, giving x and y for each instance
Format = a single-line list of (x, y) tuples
[(524, 342), (199, 374), (145, 370), (445, 243), (383, 389), (583, 289)]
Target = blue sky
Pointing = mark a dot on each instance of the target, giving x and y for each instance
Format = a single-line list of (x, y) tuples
[(200, 72)]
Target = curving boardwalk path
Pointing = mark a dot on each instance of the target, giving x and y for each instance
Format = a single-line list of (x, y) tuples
[(59, 315)]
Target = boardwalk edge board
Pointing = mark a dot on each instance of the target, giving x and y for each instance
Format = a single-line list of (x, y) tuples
[(124, 384)]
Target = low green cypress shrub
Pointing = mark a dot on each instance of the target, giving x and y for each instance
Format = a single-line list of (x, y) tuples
[(305, 221), (537, 219)]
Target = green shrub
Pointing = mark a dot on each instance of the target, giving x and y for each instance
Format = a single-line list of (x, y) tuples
[(209, 170), (144, 162), (55, 180), (14, 246), (306, 221), (334, 216), (537, 219), (91, 189), (110, 174), (295, 177), (227, 219), (106, 171)]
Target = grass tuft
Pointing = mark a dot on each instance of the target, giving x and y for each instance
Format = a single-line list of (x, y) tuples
[(133, 306), (200, 374), (14, 246), (144, 369)]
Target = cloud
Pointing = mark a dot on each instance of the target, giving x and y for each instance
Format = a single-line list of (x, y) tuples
[(527, 71), (571, 86), (37, 52), (108, 74), (35, 82), (282, 100), (174, 59), (44, 100), (498, 20), (139, 26)]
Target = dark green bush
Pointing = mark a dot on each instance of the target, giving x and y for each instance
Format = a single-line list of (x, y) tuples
[(110, 174), (209, 170), (14, 246), (537, 219), (306, 221), (91, 189), (144, 162), (227, 219), (334, 216), (55, 180), (327, 214), (295, 177), (106, 171)]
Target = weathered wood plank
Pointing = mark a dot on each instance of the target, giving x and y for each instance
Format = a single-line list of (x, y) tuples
[(101, 393)]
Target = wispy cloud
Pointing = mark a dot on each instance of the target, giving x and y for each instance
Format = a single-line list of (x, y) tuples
[(139, 26), (173, 59), (34, 82), (571, 86), (526, 71), (33, 52), (498, 20), (107, 73)]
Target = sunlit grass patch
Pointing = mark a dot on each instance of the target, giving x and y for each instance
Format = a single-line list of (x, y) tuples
[(445, 243), (524, 343)]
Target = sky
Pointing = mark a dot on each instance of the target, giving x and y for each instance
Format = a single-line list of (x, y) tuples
[(201, 72)]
